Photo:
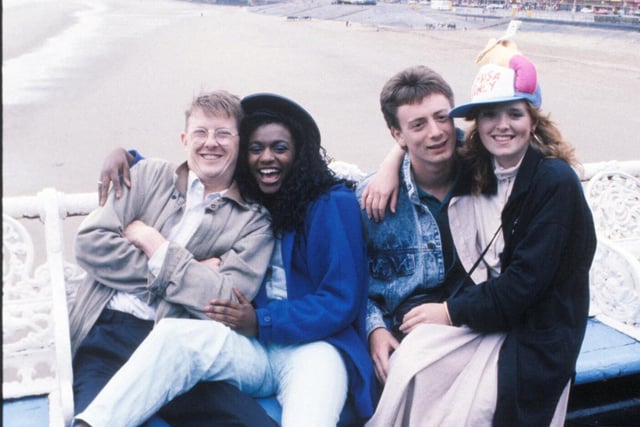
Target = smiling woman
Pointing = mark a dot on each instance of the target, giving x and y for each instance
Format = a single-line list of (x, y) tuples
[(271, 155), (506, 130), (521, 183)]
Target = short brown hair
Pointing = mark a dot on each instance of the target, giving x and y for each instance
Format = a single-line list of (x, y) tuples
[(410, 86)]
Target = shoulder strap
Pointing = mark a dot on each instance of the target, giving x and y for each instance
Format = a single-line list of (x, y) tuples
[(461, 284), (484, 252)]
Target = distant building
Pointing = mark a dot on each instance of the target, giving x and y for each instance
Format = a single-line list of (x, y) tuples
[(441, 4)]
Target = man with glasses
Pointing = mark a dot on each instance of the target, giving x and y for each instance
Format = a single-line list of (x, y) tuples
[(177, 237)]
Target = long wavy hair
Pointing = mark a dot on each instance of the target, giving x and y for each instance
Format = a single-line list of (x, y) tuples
[(547, 139), (309, 177)]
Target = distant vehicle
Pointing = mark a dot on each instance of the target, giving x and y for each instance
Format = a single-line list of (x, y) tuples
[(586, 9), (441, 4), (495, 6), (603, 10)]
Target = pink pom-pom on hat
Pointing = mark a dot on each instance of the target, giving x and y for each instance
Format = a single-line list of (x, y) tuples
[(526, 78)]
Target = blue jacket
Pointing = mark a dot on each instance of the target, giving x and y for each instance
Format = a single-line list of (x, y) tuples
[(541, 298), (405, 253), (326, 291)]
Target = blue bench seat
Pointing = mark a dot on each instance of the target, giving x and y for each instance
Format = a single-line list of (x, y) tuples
[(606, 354)]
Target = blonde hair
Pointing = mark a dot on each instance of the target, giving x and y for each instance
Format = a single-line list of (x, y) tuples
[(219, 102)]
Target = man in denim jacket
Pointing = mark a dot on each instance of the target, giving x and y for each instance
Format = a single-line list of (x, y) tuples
[(411, 252)]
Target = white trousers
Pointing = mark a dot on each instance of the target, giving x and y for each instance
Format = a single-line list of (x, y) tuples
[(310, 380)]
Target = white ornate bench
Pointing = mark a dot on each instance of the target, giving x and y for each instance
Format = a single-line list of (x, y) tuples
[(35, 335), (614, 197)]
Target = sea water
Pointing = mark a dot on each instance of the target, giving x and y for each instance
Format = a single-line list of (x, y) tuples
[(97, 26)]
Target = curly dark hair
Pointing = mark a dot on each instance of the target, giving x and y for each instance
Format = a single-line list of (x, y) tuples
[(309, 178)]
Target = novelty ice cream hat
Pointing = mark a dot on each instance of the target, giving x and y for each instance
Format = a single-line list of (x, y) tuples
[(505, 75)]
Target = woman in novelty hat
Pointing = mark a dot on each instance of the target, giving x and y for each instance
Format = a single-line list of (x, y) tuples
[(521, 182), (519, 211)]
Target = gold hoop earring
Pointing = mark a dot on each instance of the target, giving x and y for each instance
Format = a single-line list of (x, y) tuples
[(537, 138)]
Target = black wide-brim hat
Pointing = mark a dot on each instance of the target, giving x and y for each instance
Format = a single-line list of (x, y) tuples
[(272, 103)]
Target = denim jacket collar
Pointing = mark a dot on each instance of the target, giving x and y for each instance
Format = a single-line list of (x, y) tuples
[(409, 182)]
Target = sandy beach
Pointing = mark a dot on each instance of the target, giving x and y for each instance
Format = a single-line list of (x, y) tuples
[(82, 77)]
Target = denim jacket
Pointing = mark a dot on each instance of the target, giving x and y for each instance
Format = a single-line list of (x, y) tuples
[(404, 252)]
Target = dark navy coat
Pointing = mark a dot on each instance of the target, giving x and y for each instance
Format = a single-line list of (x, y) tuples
[(541, 298)]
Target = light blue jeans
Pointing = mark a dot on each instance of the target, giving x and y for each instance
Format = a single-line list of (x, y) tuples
[(310, 380)]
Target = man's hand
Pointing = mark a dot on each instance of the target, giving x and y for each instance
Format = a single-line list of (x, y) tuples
[(239, 316), (381, 345), (117, 162), (144, 237), (425, 313)]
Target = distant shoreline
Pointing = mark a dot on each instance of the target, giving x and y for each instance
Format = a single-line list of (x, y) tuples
[(403, 15), (123, 79), (51, 18)]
